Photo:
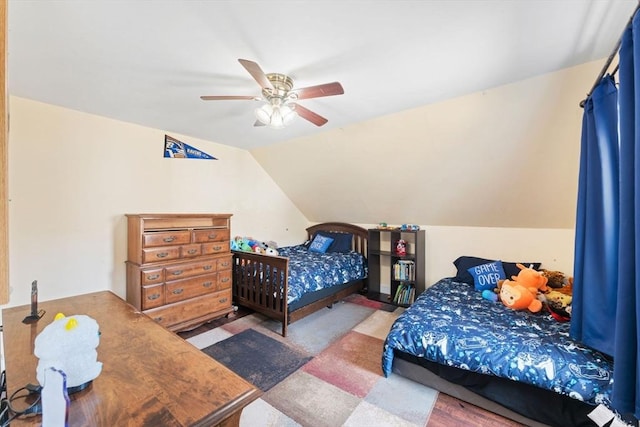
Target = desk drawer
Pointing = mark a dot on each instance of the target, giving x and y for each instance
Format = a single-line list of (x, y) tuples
[(203, 307)]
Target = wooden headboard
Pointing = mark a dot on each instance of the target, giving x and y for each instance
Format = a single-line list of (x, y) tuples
[(360, 241)]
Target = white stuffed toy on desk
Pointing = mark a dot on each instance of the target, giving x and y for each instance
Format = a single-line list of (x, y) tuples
[(69, 344)]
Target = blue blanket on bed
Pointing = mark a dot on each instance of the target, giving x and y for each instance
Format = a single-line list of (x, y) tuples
[(451, 324), (312, 271)]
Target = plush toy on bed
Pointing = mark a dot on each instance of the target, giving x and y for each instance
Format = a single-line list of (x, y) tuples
[(558, 300), (518, 297), (532, 279)]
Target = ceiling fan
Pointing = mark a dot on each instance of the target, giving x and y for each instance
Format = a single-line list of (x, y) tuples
[(280, 96)]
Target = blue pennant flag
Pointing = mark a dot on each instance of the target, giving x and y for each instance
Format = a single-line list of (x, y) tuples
[(179, 150)]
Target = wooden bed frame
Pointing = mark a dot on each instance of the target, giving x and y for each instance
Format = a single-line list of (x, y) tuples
[(268, 295)]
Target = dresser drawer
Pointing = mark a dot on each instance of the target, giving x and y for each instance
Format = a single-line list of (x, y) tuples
[(224, 263), (181, 271), (215, 247), (210, 235), (191, 251), (179, 290), (224, 279), (152, 296), (151, 276), (160, 254), (204, 307), (164, 238)]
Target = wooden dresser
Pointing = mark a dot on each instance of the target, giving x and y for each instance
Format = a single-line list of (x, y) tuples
[(179, 267)]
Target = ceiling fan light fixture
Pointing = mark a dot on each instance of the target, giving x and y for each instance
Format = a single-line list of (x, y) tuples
[(275, 115)]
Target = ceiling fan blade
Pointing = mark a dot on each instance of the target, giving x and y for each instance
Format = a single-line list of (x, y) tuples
[(309, 115), (257, 73), (328, 89), (258, 123), (228, 97)]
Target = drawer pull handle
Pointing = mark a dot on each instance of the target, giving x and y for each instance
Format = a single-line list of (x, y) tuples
[(162, 254), (207, 267), (177, 291), (153, 297), (153, 276), (158, 319), (207, 284), (224, 279), (192, 251), (217, 248), (222, 300), (213, 236), (224, 264), (169, 239), (177, 272)]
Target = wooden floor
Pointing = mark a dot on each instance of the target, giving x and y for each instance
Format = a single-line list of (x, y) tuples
[(451, 412)]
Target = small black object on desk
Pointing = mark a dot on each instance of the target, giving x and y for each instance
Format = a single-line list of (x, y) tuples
[(35, 314)]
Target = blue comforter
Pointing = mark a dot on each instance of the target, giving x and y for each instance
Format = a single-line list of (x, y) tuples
[(451, 324), (312, 271)]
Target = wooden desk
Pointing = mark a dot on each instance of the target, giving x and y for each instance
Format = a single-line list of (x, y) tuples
[(150, 376)]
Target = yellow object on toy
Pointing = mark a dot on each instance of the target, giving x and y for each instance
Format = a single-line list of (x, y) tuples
[(518, 297), (531, 279)]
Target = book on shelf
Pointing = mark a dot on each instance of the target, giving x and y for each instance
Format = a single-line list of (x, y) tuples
[(404, 270), (405, 294)]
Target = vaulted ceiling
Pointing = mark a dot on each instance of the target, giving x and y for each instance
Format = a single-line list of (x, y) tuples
[(148, 62)]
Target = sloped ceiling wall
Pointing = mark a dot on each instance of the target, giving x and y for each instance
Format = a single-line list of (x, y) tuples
[(504, 157)]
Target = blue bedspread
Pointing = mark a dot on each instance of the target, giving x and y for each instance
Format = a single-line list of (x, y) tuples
[(312, 271), (451, 324)]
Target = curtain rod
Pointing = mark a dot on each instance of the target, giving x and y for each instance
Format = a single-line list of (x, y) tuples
[(610, 59)]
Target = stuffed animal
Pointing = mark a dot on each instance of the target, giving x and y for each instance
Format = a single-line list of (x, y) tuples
[(244, 245), (555, 279), (69, 344), (518, 297), (559, 305), (531, 279), (271, 251)]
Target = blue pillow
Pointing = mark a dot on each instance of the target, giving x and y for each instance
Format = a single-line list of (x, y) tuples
[(320, 244), (486, 276), (464, 263), (341, 241)]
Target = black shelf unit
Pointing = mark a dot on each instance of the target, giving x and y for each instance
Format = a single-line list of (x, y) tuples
[(382, 251)]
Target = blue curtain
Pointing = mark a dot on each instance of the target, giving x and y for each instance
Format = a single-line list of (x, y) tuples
[(596, 248), (626, 378), (606, 300)]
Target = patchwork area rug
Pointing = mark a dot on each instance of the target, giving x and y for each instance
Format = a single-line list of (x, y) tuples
[(327, 373), (257, 358)]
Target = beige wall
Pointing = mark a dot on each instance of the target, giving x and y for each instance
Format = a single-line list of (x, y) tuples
[(73, 176), (503, 157), (491, 174)]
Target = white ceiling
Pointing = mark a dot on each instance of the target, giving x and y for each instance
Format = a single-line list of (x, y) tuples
[(148, 62)]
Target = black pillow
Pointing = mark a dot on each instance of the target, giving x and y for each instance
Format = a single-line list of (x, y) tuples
[(466, 262), (341, 241)]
